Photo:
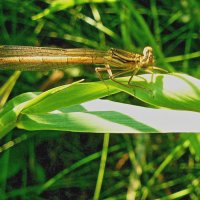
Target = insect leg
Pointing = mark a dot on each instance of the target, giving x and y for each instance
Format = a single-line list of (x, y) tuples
[(150, 72), (134, 73), (113, 76), (98, 71), (133, 85)]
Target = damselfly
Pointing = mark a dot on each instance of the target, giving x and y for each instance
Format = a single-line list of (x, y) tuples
[(27, 58)]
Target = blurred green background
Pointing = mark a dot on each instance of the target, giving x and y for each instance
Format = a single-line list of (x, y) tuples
[(156, 166)]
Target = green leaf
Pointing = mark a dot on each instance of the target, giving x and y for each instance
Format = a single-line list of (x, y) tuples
[(12, 110), (100, 116), (6, 89), (68, 96), (58, 5), (175, 91)]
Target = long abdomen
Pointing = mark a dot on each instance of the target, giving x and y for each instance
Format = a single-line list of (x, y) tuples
[(43, 58)]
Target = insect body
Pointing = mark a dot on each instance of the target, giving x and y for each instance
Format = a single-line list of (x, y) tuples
[(44, 58), (126, 62)]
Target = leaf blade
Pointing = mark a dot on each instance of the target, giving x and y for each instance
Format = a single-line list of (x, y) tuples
[(113, 117)]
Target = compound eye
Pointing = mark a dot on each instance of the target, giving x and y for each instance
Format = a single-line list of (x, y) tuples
[(147, 51)]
